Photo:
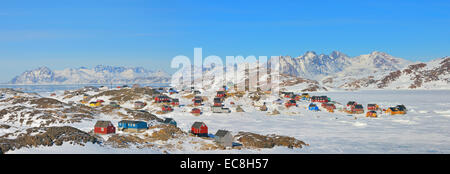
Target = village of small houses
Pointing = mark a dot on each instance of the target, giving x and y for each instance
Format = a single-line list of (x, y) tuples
[(168, 120)]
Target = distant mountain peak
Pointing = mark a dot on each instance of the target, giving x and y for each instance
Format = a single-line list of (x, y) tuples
[(100, 74)]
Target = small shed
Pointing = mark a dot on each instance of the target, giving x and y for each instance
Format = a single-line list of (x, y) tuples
[(224, 138), (139, 104), (104, 127), (114, 104), (200, 129), (170, 121)]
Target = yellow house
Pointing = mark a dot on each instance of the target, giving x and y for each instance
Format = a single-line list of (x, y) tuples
[(371, 114), (395, 111), (95, 104), (305, 95)]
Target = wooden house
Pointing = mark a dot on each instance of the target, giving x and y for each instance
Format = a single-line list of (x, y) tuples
[(175, 102), (196, 111), (132, 126), (358, 109), (104, 127), (372, 107), (114, 104), (139, 104), (288, 94), (218, 102), (198, 102), (313, 107), (170, 121), (371, 113), (320, 99), (224, 138), (220, 94), (162, 99), (200, 129), (95, 104), (166, 108), (290, 103), (305, 96)]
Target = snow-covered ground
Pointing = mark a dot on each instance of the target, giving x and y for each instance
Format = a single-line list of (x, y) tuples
[(424, 129)]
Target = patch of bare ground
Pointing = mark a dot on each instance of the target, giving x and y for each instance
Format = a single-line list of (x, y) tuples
[(166, 132), (124, 141), (46, 136), (142, 115), (253, 140), (125, 95)]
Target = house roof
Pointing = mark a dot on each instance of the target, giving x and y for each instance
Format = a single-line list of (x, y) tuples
[(101, 123), (197, 125), (168, 120), (131, 121), (222, 133)]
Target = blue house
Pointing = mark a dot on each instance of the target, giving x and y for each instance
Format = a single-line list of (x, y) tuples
[(170, 121), (132, 126), (313, 107), (173, 91)]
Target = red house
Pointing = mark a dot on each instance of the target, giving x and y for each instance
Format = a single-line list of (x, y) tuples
[(104, 127), (200, 129), (161, 99), (166, 108), (320, 99), (290, 103), (197, 102), (217, 102), (196, 111), (372, 107), (328, 106), (220, 94), (175, 102)]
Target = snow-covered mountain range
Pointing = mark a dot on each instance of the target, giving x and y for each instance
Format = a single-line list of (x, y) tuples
[(308, 72), (313, 72), (100, 74)]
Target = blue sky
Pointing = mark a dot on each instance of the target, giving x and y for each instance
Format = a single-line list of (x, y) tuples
[(62, 34)]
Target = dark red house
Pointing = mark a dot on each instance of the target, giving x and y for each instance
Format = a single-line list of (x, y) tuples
[(200, 129), (320, 99), (161, 99), (328, 106), (290, 103), (196, 111), (166, 108), (175, 102), (104, 127), (217, 102), (220, 94)]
